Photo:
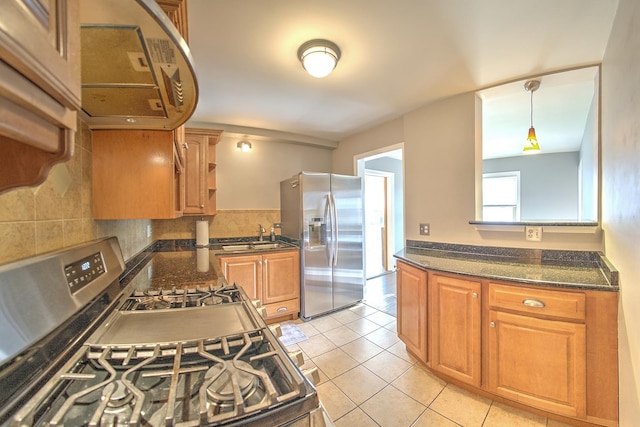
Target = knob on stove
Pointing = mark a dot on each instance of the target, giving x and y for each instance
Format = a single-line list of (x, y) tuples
[(312, 375), (297, 357), (276, 329)]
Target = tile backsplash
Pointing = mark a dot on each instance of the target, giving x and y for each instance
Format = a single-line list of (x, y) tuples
[(226, 223), (58, 214)]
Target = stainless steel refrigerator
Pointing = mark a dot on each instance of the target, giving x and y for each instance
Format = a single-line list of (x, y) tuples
[(325, 213)]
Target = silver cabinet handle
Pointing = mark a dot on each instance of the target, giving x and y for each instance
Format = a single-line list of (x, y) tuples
[(475, 295), (185, 145), (492, 324), (530, 302), (281, 309), (201, 206)]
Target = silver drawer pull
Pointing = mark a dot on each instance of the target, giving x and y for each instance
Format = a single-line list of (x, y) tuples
[(475, 295), (492, 324), (530, 302), (281, 309)]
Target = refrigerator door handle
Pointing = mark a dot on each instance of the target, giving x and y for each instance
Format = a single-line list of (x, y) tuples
[(334, 229), (328, 209)]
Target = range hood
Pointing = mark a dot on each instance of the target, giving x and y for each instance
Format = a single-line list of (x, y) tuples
[(137, 70)]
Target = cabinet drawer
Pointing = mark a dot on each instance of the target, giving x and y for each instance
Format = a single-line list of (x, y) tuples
[(565, 305), (284, 308)]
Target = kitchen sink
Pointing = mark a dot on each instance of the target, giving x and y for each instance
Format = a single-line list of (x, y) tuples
[(252, 246)]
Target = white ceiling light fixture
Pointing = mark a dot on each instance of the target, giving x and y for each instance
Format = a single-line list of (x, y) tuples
[(319, 57), (244, 146)]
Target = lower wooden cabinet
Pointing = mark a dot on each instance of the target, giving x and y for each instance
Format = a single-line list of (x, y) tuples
[(538, 362), (245, 271), (411, 283), (551, 349), (273, 278), (454, 318)]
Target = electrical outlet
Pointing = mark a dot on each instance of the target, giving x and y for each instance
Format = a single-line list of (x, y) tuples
[(148, 230), (532, 233), (424, 229)]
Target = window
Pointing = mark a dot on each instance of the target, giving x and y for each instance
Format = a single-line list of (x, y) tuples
[(501, 196)]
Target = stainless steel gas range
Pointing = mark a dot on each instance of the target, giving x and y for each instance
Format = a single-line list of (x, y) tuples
[(76, 349)]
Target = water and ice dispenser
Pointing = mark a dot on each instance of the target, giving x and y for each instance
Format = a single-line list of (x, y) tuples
[(317, 232)]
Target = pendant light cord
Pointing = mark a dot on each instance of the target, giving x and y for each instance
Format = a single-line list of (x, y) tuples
[(532, 108)]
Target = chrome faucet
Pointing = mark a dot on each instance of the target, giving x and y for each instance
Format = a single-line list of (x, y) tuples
[(262, 231)]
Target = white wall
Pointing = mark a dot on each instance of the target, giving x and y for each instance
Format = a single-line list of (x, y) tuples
[(548, 184), (443, 163), (252, 180), (621, 191)]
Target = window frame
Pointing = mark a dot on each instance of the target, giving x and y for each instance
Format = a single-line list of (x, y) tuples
[(508, 174)]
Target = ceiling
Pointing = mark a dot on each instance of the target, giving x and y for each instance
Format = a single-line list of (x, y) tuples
[(397, 55)]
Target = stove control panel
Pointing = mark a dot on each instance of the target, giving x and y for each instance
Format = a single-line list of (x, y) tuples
[(82, 272)]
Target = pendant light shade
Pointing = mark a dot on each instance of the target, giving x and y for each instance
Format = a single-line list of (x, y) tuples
[(531, 146), (319, 57)]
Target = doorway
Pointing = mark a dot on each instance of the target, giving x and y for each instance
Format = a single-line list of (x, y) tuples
[(382, 173), (378, 206)]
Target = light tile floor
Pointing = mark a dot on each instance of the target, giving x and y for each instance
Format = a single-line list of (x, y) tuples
[(368, 379)]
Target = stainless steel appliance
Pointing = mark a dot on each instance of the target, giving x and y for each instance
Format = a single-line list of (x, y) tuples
[(76, 348), (325, 212)]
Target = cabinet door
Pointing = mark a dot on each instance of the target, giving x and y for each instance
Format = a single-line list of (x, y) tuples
[(454, 318), (39, 88), (281, 277), (200, 171), (538, 362), (40, 39), (195, 155), (245, 271), (136, 175), (411, 284)]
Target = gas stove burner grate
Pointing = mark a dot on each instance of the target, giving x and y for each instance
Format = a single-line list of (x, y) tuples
[(195, 383), (183, 297)]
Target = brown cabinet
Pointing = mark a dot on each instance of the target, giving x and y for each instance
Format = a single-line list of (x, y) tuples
[(552, 349), (538, 362), (537, 347), (273, 278), (411, 284), (200, 171), (176, 10), (39, 88), (455, 318), (137, 174)]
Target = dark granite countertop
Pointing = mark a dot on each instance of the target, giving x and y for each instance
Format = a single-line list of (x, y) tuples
[(568, 269), (166, 264)]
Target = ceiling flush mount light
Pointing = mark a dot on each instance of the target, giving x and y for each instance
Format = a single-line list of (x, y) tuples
[(531, 146), (319, 57), (244, 146)]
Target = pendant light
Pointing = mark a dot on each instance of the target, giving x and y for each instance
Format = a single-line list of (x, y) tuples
[(319, 57), (531, 146)]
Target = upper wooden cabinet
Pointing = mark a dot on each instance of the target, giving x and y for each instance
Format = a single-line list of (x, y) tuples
[(177, 12), (39, 88), (200, 171), (137, 174)]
